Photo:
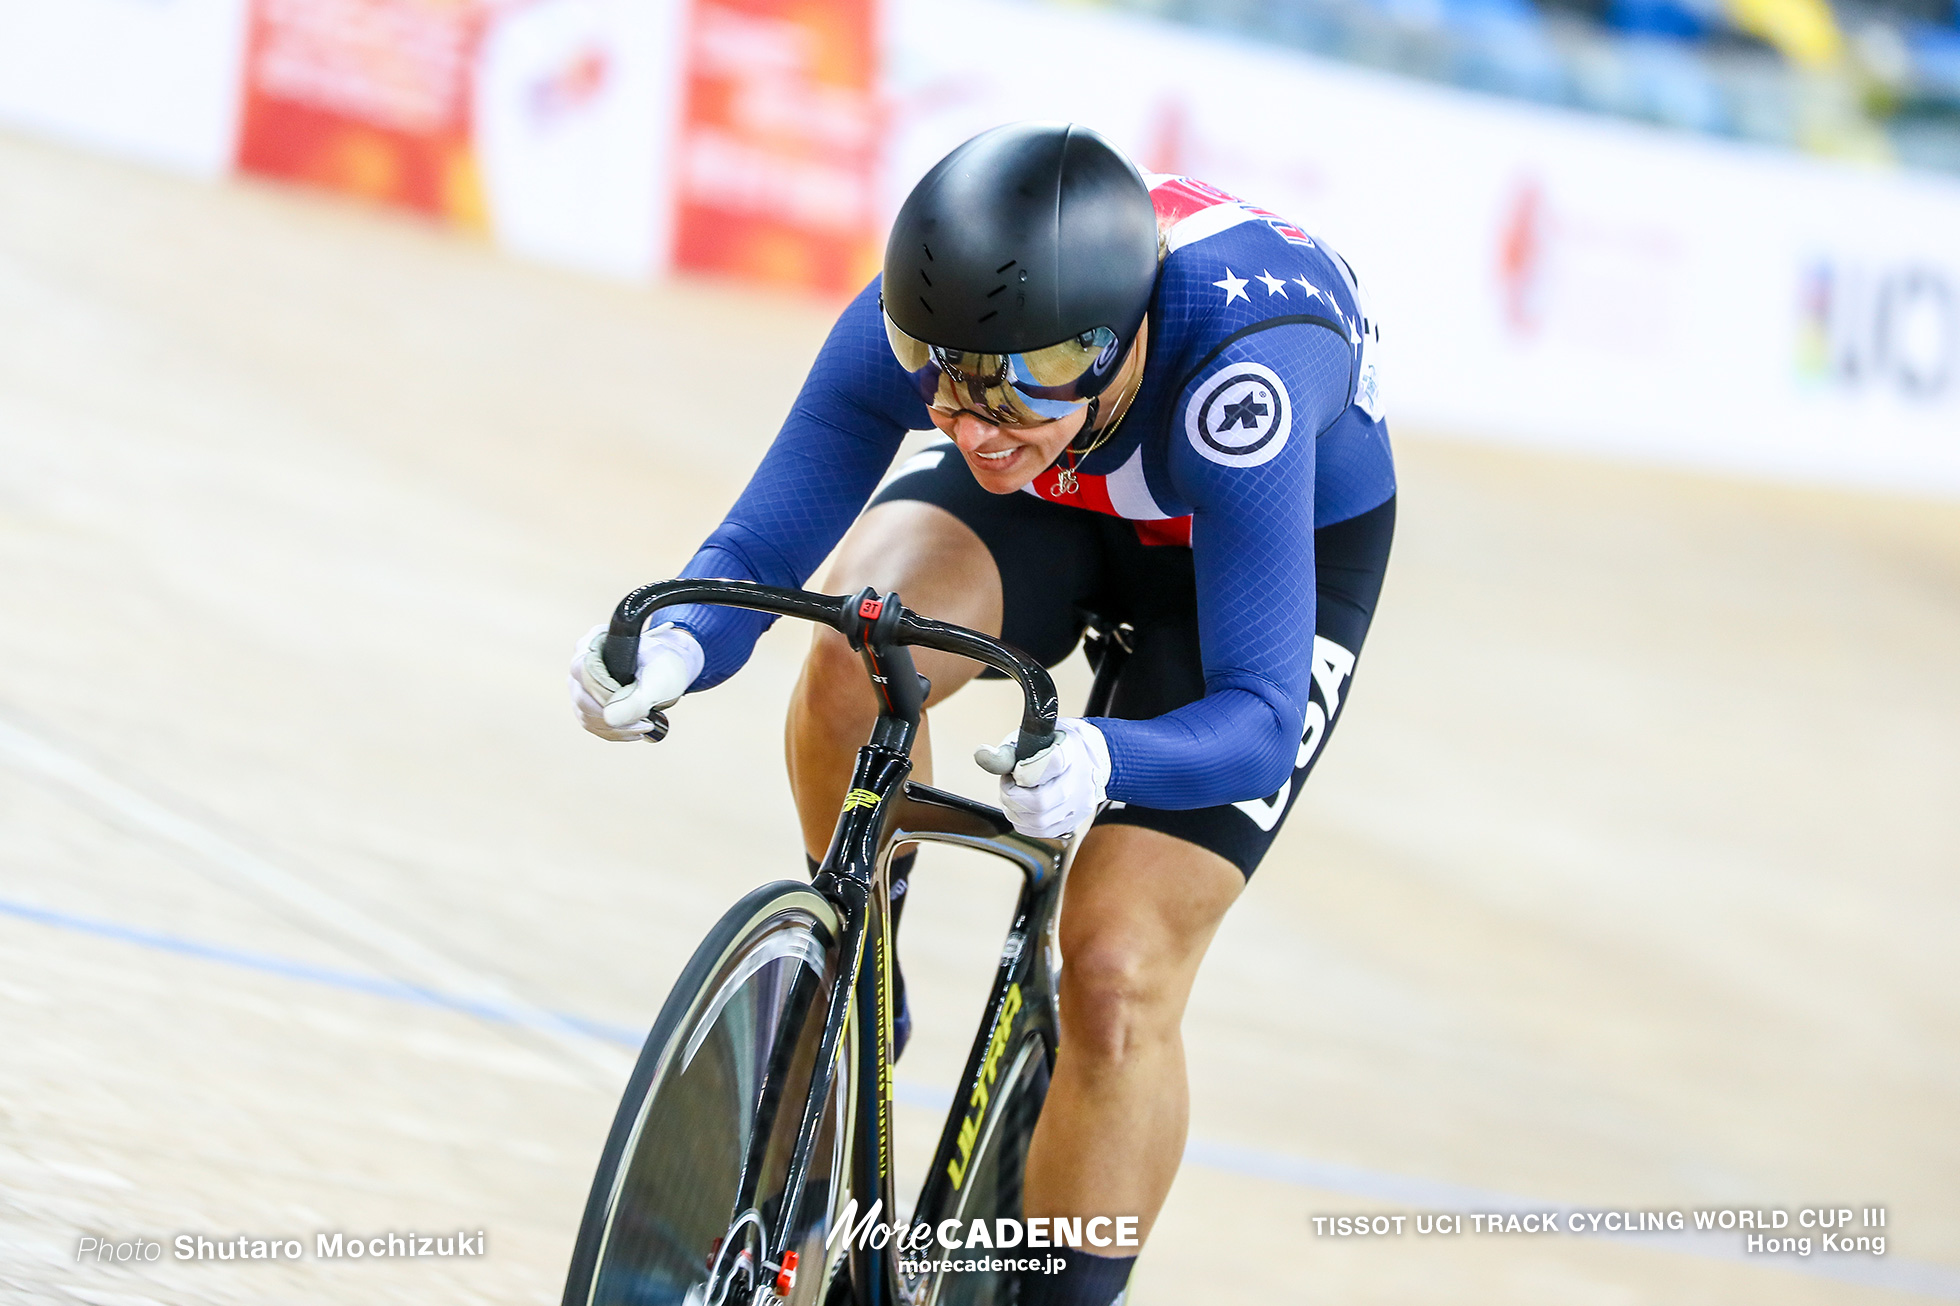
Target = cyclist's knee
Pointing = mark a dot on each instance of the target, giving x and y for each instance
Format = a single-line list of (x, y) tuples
[(833, 689), (1116, 999)]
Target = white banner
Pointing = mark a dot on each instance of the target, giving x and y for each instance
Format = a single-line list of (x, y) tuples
[(573, 122), (1539, 275), (156, 80)]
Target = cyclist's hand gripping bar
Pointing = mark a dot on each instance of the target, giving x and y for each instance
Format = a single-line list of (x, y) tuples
[(841, 614)]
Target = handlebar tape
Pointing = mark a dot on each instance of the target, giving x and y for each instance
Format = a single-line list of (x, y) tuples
[(1040, 707)]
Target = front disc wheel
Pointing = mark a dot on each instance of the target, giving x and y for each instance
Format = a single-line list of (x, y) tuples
[(690, 1188)]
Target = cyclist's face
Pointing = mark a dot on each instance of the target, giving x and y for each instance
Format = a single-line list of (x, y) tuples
[(1005, 458)]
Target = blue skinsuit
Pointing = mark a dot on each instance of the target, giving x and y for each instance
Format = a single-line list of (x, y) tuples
[(1259, 419)]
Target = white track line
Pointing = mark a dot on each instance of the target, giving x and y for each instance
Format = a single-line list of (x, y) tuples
[(31, 754), (423, 965)]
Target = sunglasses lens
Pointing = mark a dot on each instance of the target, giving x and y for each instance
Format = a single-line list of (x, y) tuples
[(1025, 389), (914, 356), (1075, 369)]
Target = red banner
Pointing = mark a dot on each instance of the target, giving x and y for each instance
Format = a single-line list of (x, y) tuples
[(366, 96), (778, 143)]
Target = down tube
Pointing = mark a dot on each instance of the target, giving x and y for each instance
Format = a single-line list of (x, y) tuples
[(874, 1269)]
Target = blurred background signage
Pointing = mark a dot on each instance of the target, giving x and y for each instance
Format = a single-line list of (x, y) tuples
[(1721, 232), (777, 163), (366, 96)]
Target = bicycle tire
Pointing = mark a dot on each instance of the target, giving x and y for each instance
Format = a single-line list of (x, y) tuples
[(992, 1180), (730, 1055)]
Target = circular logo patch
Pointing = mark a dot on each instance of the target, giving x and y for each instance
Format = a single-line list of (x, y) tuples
[(1240, 417)]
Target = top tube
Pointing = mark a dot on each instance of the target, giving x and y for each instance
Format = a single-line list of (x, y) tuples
[(841, 613)]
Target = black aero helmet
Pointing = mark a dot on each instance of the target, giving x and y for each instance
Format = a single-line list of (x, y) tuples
[(1018, 272)]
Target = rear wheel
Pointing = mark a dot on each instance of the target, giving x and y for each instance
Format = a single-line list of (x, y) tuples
[(717, 1094), (992, 1182)]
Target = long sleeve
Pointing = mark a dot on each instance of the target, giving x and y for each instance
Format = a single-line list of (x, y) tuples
[(839, 437), (1243, 454)]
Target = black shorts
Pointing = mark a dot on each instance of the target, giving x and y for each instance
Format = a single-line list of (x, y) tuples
[(1058, 565)]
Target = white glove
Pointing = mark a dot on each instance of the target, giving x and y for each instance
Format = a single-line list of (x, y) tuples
[(1058, 789), (669, 660)]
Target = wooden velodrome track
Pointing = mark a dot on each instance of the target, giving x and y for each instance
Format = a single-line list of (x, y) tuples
[(1629, 883)]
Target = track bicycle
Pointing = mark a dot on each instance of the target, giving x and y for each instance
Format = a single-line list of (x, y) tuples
[(754, 1138)]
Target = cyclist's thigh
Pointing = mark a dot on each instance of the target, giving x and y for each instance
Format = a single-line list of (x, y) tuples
[(1166, 672), (1144, 904), (1041, 561), (937, 566)]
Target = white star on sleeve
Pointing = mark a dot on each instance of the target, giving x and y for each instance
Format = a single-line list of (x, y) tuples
[(1274, 286), (1234, 287), (1313, 291)]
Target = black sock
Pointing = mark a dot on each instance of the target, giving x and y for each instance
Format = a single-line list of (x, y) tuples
[(1085, 1279), (901, 882), (901, 879)]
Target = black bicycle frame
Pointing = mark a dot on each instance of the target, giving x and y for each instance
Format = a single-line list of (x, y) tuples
[(883, 813)]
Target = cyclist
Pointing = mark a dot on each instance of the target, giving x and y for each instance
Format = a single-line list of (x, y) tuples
[(1158, 404)]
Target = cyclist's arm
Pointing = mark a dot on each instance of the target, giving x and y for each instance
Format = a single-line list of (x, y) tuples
[(838, 439), (1252, 543)]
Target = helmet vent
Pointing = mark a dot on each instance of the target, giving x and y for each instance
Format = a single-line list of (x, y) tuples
[(1021, 197)]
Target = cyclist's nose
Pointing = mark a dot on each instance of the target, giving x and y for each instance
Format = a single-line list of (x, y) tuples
[(970, 431)]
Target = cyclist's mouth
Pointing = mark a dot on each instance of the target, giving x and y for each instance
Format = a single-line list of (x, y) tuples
[(1000, 459)]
